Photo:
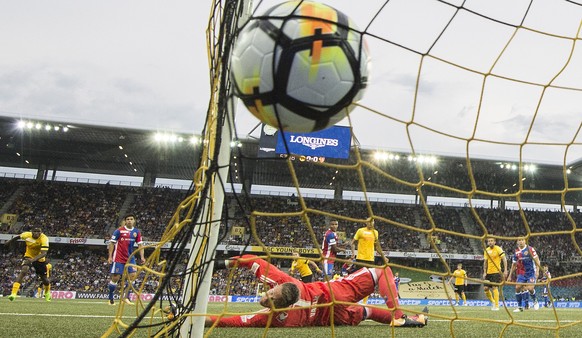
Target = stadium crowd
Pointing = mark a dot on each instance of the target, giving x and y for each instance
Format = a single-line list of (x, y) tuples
[(93, 211)]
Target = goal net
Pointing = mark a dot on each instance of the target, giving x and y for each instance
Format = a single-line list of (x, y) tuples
[(470, 128)]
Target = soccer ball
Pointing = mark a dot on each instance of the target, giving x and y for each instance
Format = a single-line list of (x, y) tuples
[(300, 66)]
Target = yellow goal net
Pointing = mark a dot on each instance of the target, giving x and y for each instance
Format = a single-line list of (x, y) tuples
[(470, 128)]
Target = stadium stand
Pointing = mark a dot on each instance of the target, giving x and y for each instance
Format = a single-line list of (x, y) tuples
[(62, 209), (87, 210)]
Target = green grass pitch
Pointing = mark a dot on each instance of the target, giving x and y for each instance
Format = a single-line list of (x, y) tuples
[(86, 318)]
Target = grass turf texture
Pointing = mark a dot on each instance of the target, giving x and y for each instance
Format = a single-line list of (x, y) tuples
[(87, 318)]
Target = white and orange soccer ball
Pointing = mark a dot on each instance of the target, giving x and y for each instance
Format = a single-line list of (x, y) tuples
[(300, 66)]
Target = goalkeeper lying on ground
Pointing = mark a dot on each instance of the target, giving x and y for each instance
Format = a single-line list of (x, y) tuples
[(286, 291)]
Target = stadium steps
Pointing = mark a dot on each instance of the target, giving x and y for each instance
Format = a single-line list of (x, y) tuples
[(11, 199), (418, 223), (122, 211), (470, 228), (19, 191)]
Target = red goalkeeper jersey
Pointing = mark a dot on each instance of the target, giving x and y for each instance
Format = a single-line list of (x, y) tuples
[(352, 288)]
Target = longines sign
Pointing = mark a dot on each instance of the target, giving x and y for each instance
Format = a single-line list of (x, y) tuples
[(333, 142)]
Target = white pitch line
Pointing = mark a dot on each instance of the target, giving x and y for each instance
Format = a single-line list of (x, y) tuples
[(517, 321), (53, 315)]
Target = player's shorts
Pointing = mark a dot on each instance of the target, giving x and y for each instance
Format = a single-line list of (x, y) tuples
[(460, 288), (39, 268), (525, 279), (348, 315), (307, 279), (117, 268), (372, 262), (328, 269), (492, 278)]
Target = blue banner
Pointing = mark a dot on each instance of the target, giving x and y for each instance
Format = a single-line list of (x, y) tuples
[(427, 302), (245, 299), (332, 142)]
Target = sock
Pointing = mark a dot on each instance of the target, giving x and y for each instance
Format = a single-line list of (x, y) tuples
[(388, 290), (518, 299), (464, 298), (496, 297), (128, 290), (39, 292), (546, 300), (489, 296), (47, 290), (111, 286), (525, 298), (379, 315), (532, 294), (457, 298), (15, 288)]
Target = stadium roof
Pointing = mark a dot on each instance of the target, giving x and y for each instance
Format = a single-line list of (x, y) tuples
[(93, 149), (134, 152)]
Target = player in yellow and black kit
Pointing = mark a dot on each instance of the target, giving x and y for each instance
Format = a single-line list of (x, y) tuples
[(367, 238), (302, 265), (492, 259), (37, 245), (40, 291), (460, 277)]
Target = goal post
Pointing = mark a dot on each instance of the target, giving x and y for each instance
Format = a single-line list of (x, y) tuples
[(220, 131)]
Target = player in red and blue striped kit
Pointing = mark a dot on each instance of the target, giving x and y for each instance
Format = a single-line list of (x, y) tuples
[(546, 277), (329, 249), (526, 264), (121, 246)]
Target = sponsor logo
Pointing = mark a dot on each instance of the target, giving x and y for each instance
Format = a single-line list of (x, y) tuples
[(313, 142), (93, 295), (63, 294), (284, 249), (313, 310), (144, 296), (246, 318), (281, 317), (77, 240), (245, 299), (267, 150), (96, 295), (217, 298), (378, 301), (439, 302)]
